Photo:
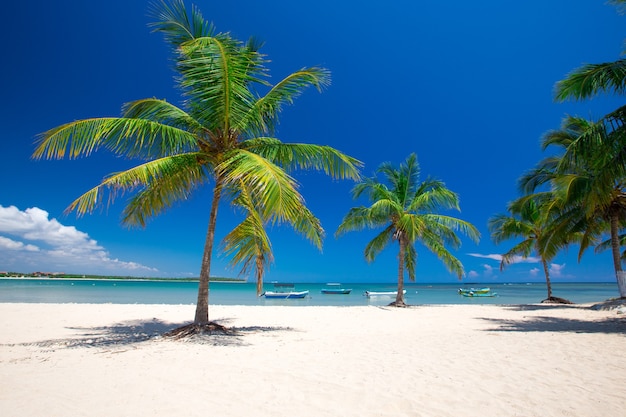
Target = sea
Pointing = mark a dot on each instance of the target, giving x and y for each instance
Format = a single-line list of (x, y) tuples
[(145, 291)]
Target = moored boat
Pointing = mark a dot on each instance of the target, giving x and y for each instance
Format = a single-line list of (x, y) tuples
[(284, 291), (370, 294), (484, 290), (285, 294), (335, 288), (480, 292)]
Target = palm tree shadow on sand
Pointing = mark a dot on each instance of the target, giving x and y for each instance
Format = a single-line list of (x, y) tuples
[(132, 333), (610, 325)]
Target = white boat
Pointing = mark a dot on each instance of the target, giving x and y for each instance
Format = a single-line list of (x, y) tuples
[(284, 291), (285, 294), (370, 294)]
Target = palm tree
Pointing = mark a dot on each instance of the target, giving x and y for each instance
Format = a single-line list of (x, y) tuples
[(534, 219), (222, 135), (587, 181), (407, 211), (607, 140)]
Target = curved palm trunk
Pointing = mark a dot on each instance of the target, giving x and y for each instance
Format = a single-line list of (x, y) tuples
[(615, 250), (202, 306), (259, 276), (546, 271), (400, 295)]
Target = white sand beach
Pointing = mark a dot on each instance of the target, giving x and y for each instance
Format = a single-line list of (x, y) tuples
[(448, 360)]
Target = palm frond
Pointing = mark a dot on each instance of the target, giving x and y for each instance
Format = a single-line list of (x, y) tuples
[(523, 249), (378, 244), (451, 225), (171, 19), (309, 226), (358, 218), (503, 227), (248, 243), (272, 189), (163, 183), (306, 156), (373, 189), (262, 116), (122, 136), (591, 79), (175, 177), (437, 247), (161, 111), (433, 195)]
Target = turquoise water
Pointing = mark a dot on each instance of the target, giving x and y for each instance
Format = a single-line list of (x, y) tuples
[(173, 292)]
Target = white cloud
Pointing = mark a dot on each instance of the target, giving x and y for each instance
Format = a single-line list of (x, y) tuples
[(39, 243), (472, 274), (556, 270), (9, 244), (494, 256), (534, 272), (498, 257)]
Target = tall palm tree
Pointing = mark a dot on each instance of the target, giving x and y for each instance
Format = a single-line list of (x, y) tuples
[(221, 136), (533, 218), (588, 182), (607, 141), (407, 210)]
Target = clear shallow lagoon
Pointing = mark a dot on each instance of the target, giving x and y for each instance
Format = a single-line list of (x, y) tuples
[(184, 292)]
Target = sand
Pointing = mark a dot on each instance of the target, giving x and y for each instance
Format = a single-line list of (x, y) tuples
[(452, 360)]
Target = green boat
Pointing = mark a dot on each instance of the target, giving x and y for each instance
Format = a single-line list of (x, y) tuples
[(477, 292)]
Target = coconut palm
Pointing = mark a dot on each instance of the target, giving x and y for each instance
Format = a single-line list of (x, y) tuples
[(534, 219), (222, 135), (588, 183), (407, 210)]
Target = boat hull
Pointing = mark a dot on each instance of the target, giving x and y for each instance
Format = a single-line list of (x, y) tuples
[(485, 290), (336, 291), (370, 294), (284, 295), (478, 294)]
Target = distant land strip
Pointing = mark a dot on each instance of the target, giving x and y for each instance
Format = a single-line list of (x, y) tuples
[(111, 277)]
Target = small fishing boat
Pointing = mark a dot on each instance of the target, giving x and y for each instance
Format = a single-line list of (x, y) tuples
[(285, 294), (370, 294), (284, 291), (485, 290), (481, 292), (335, 288)]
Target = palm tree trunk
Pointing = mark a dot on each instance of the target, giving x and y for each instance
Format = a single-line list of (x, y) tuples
[(259, 276), (546, 271), (202, 306), (617, 261), (401, 255)]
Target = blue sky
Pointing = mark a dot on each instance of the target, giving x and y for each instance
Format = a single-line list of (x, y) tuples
[(467, 86)]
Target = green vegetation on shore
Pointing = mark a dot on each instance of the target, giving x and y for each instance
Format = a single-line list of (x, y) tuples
[(86, 276)]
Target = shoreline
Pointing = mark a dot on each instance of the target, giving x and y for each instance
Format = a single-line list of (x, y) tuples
[(177, 292), (426, 360)]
